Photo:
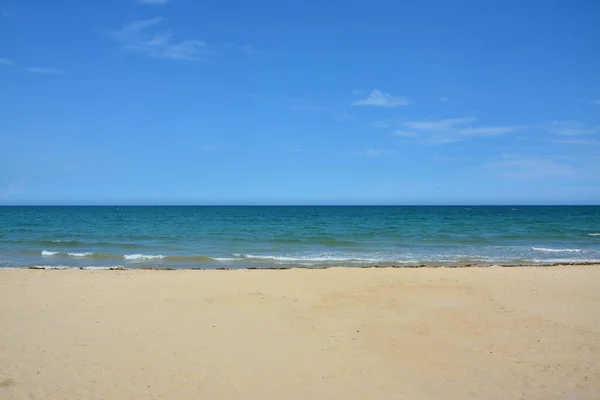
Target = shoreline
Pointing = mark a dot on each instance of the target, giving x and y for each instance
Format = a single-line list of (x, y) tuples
[(281, 268)]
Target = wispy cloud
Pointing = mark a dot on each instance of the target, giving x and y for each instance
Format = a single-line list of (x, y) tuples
[(153, 2), (488, 130), (571, 128), (449, 130), (450, 159), (143, 37), (380, 99), (519, 167), (438, 125), (400, 132), (596, 102), (6, 61), (209, 147), (140, 25), (372, 153), (383, 124), (46, 70), (582, 142)]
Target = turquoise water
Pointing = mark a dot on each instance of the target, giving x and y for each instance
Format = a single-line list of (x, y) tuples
[(239, 237)]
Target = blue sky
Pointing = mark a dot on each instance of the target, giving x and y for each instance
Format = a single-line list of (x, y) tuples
[(299, 102)]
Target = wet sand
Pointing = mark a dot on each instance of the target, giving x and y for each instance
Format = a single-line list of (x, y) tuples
[(425, 333)]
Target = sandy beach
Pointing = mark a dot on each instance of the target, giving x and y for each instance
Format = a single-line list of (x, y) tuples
[(427, 333)]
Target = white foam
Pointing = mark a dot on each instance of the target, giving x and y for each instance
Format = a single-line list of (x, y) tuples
[(47, 253), (142, 257), (224, 259), (90, 267), (80, 254), (315, 259), (549, 250), (593, 234), (565, 260)]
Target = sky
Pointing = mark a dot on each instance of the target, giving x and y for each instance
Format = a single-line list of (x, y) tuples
[(299, 102)]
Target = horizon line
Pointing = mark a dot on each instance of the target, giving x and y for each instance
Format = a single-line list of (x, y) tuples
[(305, 205)]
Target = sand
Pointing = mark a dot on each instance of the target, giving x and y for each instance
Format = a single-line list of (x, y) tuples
[(428, 333)]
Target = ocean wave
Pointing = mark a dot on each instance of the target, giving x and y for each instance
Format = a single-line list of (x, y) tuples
[(87, 254), (46, 253), (149, 257), (550, 250), (593, 234), (370, 259), (126, 257), (143, 257), (324, 259)]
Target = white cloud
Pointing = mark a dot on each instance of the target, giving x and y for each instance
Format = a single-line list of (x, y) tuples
[(489, 130), (153, 2), (519, 167), (142, 37), (45, 70), (449, 130), (380, 99), (571, 128), (6, 61)]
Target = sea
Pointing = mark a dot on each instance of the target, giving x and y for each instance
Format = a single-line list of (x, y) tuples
[(232, 237)]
